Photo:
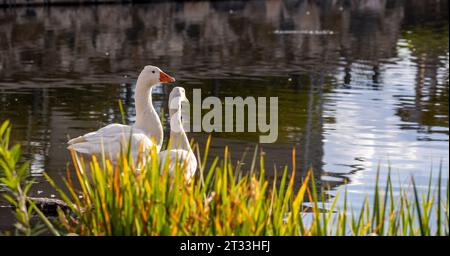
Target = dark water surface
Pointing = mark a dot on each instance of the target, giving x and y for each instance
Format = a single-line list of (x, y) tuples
[(361, 84)]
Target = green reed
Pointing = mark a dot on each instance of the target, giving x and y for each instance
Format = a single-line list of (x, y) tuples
[(14, 179), (139, 197)]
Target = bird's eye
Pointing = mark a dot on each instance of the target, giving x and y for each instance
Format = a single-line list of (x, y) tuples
[(153, 71)]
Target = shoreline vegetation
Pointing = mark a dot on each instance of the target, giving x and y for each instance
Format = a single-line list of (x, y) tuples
[(122, 199)]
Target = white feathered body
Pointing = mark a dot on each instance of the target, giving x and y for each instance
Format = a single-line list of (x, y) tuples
[(185, 158), (111, 139)]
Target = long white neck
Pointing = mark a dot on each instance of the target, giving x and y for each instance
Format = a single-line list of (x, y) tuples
[(178, 137), (147, 119)]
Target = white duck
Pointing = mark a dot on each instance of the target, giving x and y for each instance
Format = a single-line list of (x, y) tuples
[(180, 150), (145, 132)]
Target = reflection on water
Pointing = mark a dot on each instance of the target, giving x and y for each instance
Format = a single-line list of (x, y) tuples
[(373, 91)]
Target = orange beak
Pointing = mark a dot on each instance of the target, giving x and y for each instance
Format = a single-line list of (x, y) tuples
[(165, 78)]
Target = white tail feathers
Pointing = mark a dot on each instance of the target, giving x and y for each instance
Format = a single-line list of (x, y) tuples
[(76, 140), (83, 148)]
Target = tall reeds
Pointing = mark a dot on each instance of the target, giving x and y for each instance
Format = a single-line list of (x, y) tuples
[(126, 198)]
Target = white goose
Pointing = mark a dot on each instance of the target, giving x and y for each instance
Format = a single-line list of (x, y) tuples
[(145, 132), (180, 150)]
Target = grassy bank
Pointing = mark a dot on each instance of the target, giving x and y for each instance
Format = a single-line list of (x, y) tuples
[(122, 199)]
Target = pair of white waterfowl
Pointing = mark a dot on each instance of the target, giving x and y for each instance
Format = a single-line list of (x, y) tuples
[(147, 131)]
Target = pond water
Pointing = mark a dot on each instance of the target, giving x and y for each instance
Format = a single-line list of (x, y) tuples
[(360, 84)]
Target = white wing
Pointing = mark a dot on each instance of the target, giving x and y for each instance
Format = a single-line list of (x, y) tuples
[(105, 132), (185, 158), (111, 138)]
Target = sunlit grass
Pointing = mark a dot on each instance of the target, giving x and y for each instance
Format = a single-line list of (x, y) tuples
[(129, 199)]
